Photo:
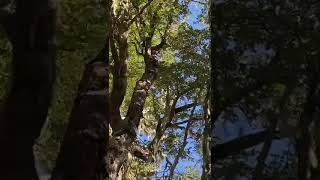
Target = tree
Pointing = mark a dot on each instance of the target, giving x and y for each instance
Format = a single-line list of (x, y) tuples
[(31, 32), (242, 30), (157, 65)]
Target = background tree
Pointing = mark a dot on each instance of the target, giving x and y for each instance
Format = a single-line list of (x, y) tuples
[(265, 57)]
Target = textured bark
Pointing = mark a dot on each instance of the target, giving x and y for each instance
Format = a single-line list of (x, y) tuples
[(206, 141), (119, 49), (118, 151), (83, 151), (31, 31), (142, 89), (124, 131), (117, 157)]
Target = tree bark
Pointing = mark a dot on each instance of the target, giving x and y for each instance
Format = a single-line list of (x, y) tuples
[(206, 141), (83, 151), (31, 31)]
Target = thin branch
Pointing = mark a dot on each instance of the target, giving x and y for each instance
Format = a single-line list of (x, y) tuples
[(185, 107), (181, 150), (139, 13), (199, 2), (237, 145)]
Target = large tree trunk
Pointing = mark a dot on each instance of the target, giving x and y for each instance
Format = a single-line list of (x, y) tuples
[(83, 151), (31, 32)]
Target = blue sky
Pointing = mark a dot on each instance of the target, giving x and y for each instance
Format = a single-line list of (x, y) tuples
[(195, 11)]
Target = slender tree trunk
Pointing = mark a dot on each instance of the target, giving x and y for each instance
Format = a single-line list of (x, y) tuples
[(181, 150), (83, 151), (206, 169), (31, 31)]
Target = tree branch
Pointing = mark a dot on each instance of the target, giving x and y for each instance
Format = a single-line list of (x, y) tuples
[(142, 153), (185, 107), (237, 145), (114, 51), (181, 149), (137, 49), (139, 13), (159, 46), (164, 36), (199, 2)]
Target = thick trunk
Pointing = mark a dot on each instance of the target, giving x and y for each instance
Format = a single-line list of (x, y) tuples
[(83, 151), (31, 32)]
